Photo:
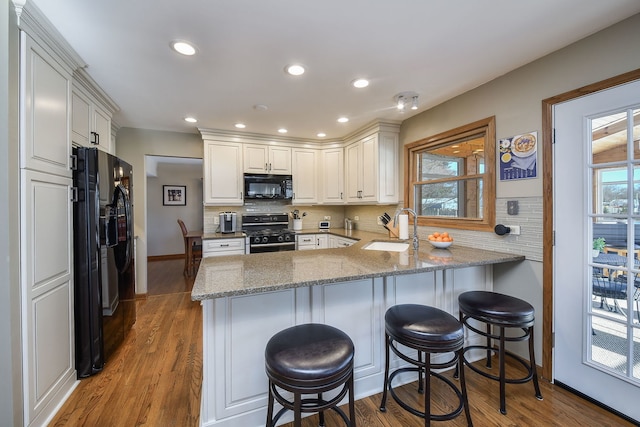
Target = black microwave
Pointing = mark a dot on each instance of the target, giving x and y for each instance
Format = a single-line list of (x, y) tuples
[(267, 187)]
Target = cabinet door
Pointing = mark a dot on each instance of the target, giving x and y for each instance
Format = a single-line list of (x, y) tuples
[(256, 159), (305, 176), (222, 247), (223, 183), (102, 128), (353, 171), (47, 292), (45, 101), (80, 119), (322, 241), (280, 160), (305, 242), (369, 169), (333, 176)]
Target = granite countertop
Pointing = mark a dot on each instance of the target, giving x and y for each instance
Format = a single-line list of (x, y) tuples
[(264, 272)]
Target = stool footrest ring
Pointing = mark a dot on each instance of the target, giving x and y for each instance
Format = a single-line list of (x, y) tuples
[(435, 417), (485, 374)]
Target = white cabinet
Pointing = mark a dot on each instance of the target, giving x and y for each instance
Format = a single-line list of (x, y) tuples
[(305, 176), (90, 123), (305, 242), (340, 242), (223, 180), (46, 273), (371, 169), (267, 159), (44, 93), (222, 247), (332, 176)]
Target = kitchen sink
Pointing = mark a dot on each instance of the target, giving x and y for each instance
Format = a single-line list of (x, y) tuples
[(387, 246)]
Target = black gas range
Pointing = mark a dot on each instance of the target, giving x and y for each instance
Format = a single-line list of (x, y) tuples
[(268, 232)]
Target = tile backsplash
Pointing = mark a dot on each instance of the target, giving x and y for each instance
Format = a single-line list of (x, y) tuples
[(529, 218)]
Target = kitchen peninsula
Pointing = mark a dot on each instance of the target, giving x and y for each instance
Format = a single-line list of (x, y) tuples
[(246, 299)]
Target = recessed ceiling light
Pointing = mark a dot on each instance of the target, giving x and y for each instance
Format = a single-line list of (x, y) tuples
[(321, 134), (183, 47), (240, 125), (190, 119), (360, 83), (343, 120), (282, 130), (295, 69)]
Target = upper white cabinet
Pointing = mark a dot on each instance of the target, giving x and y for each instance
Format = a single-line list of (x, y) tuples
[(223, 179), (332, 176), (305, 176), (45, 97), (371, 169), (267, 159), (91, 123)]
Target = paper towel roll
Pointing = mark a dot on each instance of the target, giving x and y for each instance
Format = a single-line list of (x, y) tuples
[(403, 227)]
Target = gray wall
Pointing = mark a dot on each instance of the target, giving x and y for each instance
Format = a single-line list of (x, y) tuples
[(164, 236), (516, 101), (10, 350), (133, 145)]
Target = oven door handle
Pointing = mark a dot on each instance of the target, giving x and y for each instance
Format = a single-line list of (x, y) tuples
[(266, 245)]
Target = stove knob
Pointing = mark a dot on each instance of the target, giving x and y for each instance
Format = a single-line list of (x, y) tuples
[(265, 239), (280, 238), (287, 238), (256, 239)]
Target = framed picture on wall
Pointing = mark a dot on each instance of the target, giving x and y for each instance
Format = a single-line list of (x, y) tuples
[(174, 195)]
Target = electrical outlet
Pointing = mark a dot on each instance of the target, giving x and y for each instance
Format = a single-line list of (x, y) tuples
[(379, 221), (327, 217), (515, 230), (356, 218), (216, 220)]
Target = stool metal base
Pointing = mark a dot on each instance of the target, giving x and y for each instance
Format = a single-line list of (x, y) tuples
[(530, 366), (310, 405), (425, 367)]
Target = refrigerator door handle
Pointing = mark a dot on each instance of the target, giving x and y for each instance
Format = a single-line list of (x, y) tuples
[(110, 221)]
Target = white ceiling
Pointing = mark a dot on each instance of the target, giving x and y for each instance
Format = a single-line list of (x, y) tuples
[(437, 48)]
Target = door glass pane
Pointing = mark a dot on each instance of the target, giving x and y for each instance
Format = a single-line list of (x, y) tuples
[(609, 138), (610, 190), (636, 353), (614, 271)]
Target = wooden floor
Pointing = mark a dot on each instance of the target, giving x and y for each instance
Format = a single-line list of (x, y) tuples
[(154, 379)]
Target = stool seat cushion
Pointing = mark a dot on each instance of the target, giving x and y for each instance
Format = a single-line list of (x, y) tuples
[(309, 355), (424, 327), (496, 308)]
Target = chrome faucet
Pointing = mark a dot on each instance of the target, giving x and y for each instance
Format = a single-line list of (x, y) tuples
[(415, 225)]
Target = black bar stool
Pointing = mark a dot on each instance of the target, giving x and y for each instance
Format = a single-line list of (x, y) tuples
[(309, 359), (428, 330), (501, 311)]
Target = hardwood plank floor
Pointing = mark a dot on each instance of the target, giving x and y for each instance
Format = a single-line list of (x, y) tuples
[(154, 379)]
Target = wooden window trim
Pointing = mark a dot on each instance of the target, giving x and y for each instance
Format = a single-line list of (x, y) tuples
[(488, 128)]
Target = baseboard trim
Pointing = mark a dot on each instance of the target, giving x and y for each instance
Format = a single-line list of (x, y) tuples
[(164, 257)]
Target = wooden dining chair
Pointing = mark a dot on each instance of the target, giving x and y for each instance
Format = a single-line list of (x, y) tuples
[(190, 262)]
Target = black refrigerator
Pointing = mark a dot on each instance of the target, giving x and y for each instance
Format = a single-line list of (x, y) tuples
[(103, 257)]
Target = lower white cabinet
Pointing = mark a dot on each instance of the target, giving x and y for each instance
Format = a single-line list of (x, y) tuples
[(222, 247), (236, 330), (340, 242), (47, 283), (305, 242)]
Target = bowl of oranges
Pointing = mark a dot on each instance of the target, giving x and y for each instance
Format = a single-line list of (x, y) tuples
[(440, 240)]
